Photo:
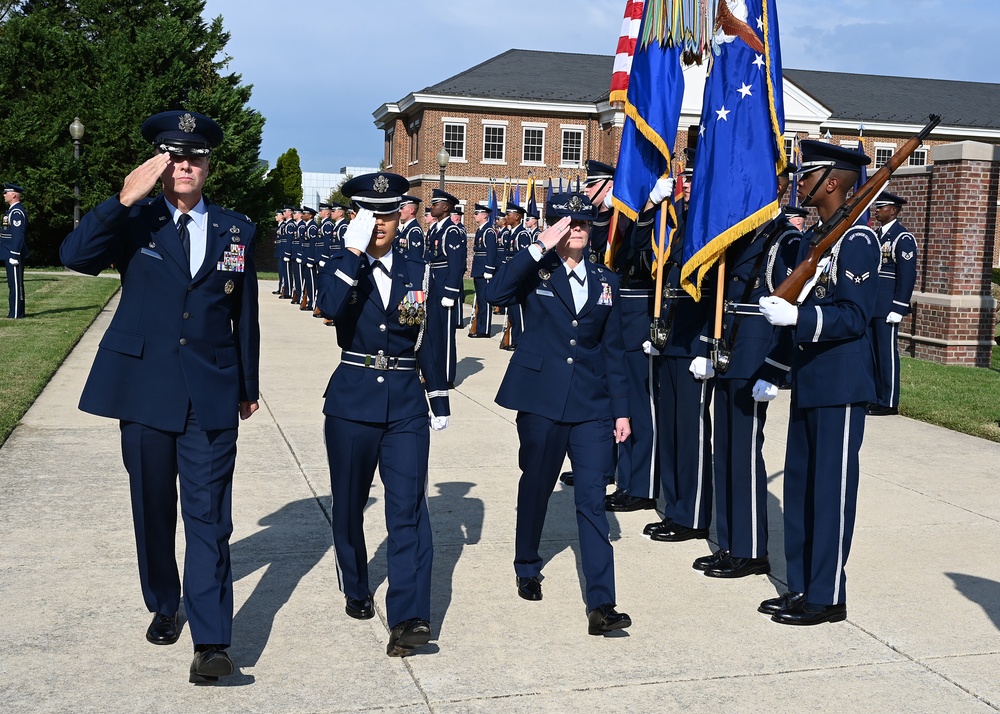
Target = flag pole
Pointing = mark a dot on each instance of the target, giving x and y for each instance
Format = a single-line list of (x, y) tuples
[(609, 258), (658, 331), (720, 298)]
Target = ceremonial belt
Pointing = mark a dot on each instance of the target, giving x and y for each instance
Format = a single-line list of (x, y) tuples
[(379, 361), (636, 292), (439, 265), (675, 293)]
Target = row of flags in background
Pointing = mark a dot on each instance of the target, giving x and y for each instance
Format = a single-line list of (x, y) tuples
[(510, 192), (740, 149)]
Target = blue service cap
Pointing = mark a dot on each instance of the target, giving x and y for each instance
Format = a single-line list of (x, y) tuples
[(306, 209), (456, 210), (889, 199), (597, 171), (481, 208), (439, 195), (8, 187), (796, 211), (323, 205), (288, 208), (380, 193), (296, 209), (182, 133), (531, 213), (514, 208), (410, 199), (334, 206), (689, 154), (821, 155), (573, 205)]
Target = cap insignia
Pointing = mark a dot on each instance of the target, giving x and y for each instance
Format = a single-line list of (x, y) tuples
[(187, 124), (575, 204), (381, 184)]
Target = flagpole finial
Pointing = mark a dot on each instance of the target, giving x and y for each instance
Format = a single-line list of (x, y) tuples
[(827, 135), (861, 130)]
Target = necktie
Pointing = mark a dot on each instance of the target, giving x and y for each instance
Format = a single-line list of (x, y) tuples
[(378, 264), (576, 276), (879, 234), (185, 235)]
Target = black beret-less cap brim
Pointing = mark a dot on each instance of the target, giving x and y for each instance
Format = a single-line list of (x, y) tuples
[(410, 199), (481, 208), (574, 206), (796, 211), (182, 133), (12, 187), (889, 199), (598, 171), (514, 208), (380, 193), (821, 155), (306, 209), (437, 195)]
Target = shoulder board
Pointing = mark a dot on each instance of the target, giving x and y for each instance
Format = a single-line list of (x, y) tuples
[(236, 215)]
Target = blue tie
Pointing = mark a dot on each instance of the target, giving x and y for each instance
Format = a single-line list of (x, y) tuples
[(185, 235)]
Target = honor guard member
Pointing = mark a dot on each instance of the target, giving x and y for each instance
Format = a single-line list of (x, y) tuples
[(637, 468), (321, 246), (833, 379), (409, 236), (796, 216), (458, 314), (279, 217), (338, 212), (684, 423), (598, 186), (428, 222), (567, 383), (14, 248), (518, 239), (294, 255), (309, 236), (178, 368), (446, 250), (376, 411), (285, 259), (747, 377), (897, 275), (484, 265), (457, 215), (531, 223)]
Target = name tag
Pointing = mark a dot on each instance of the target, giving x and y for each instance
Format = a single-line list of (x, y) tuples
[(152, 254), (234, 259), (546, 293)]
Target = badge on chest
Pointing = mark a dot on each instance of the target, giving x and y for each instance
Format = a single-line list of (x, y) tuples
[(411, 308), (234, 259)]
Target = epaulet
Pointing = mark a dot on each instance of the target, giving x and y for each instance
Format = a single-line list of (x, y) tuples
[(236, 215)]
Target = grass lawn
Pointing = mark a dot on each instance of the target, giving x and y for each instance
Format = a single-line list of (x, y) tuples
[(60, 308)]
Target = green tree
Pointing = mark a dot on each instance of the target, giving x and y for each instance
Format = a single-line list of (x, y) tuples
[(337, 196), (113, 64), (286, 179)]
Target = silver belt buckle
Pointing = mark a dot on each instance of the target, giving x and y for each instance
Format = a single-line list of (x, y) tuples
[(381, 362)]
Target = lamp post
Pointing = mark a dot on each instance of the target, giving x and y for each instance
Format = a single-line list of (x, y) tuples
[(76, 132), (443, 158)]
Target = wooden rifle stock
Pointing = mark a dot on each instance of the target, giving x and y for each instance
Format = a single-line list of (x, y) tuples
[(827, 235)]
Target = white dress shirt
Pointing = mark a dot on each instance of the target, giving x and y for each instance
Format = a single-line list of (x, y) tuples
[(197, 232), (382, 280)]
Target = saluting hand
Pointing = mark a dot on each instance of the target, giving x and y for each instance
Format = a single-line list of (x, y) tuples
[(623, 429), (141, 181), (551, 236)]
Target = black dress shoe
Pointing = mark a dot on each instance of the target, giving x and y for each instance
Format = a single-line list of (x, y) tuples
[(808, 613), (677, 533), (879, 410), (360, 609), (714, 560), (566, 477), (530, 588), (276, 292), (407, 635), (605, 619), (163, 630), (626, 504), (210, 664), (782, 602), (739, 568), (649, 528)]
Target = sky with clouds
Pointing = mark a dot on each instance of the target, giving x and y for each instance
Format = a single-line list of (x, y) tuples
[(320, 68)]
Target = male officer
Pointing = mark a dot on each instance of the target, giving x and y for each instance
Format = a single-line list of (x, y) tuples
[(376, 411), (446, 251), (518, 239), (896, 277), (833, 378), (284, 258), (484, 265), (14, 248), (279, 218), (567, 382), (178, 368), (338, 212), (321, 247), (294, 254), (310, 231), (409, 236), (796, 215), (531, 223), (598, 186), (457, 215)]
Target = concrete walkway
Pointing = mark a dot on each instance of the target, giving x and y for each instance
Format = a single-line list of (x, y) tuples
[(923, 632)]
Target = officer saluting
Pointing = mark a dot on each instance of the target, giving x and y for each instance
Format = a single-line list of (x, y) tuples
[(376, 411), (14, 248), (567, 382), (178, 368), (897, 275), (833, 378)]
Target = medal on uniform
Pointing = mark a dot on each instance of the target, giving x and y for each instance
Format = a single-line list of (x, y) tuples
[(411, 308), (230, 286), (820, 292), (544, 274)]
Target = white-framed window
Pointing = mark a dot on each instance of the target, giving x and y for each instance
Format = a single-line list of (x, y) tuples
[(883, 152), (389, 133), (414, 130), (533, 147), (572, 146), (790, 150), (494, 143), (454, 139), (918, 158)]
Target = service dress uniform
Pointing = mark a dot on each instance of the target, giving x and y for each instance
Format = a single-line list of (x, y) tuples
[(296, 229), (446, 252), (484, 266), (377, 412), (599, 177), (567, 383), (518, 239), (409, 236), (14, 250), (310, 233), (177, 362)]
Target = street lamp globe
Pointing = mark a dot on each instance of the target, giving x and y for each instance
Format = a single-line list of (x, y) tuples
[(443, 158), (76, 129)]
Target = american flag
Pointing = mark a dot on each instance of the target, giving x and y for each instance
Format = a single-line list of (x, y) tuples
[(626, 48)]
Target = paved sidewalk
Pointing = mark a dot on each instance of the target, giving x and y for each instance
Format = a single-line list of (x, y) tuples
[(923, 629)]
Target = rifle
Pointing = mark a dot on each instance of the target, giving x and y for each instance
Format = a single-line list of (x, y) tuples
[(826, 235), (505, 340)]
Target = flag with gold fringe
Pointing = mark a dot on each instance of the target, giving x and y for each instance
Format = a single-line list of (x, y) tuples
[(741, 146)]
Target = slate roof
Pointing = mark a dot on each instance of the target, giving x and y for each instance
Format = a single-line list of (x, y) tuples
[(534, 75), (569, 77), (901, 99)]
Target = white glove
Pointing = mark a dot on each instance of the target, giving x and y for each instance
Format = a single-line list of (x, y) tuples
[(299, 261), (893, 318), (701, 368), (439, 423), (288, 260), (779, 312), (359, 232), (13, 262), (764, 391), (322, 263), (648, 348), (487, 275), (447, 302), (609, 200), (663, 189)]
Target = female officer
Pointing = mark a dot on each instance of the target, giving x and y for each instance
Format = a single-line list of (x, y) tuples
[(567, 382), (376, 411)]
